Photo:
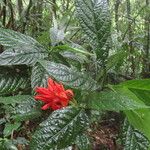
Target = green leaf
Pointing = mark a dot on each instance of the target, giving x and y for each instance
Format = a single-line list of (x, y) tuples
[(141, 88), (95, 22), (69, 76), (115, 100), (71, 49), (9, 145), (11, 38), (143, 95), (83, 143), (116, 60), (14, 99), (140, 119), (143, 84), (22, 54), (57, 34), (75, 57), (132, 139), (27, 109), (60, 129), (9, 128), (2, 120), (39, 76), (11, 82)]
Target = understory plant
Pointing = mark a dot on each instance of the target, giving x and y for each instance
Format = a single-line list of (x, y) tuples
[(55, 90)]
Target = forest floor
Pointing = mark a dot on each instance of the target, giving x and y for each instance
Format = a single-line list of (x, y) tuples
[(105, 134)]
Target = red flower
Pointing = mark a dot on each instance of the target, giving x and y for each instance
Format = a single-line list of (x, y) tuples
[(54, 96)]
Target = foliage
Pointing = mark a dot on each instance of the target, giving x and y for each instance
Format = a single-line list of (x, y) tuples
[(95, 22), (82, 52), (132, 138), (60, 128)]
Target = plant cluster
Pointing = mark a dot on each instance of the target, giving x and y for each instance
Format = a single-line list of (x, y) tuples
[(50, 95)]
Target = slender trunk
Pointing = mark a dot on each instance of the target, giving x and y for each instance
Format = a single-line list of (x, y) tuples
[(117, 2), (130, 37), (11, 21), (27, 16), (67, 5), (54, 8), (39, 11), (146, 52), (4, 13), (20, 7)]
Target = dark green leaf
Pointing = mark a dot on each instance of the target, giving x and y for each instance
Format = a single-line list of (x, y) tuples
[(75, 57), (132, 139), (118, 100), (22, 54), (8, 145), (11, 82), (83, 142), (95, 22), (14, 99), (71, 49), (39, 76), (69, 76), (61, 129), (9, 128), (143, 95), (116, 60), (11, 38), (27, 109), (2, 120)]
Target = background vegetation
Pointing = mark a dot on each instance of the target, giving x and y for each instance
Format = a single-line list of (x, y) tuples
[(91, 46)]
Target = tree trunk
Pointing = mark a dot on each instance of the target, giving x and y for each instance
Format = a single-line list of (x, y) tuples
[(11, 21), (130, 37), (117, 2), (4, 13), (146, 52), (20, 7), (27, 16), (54, 8)]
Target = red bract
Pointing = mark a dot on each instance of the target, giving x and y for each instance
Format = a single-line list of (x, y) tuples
[(54, 96)]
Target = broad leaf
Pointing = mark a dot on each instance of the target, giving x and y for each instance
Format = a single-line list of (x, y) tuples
[(71, 49), (22, 54), (140, 119), (14, 99), (83, 142), (75, 57), (39, 76), (8, 145), (143, 84), (69, 76), (116, 60), (118, 100), (95, 22), (132, 139), (141, 88), (143, 95), (27, 109), (57, 34), (61, 129), (11, 38), (12, 81), (9, 128)]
